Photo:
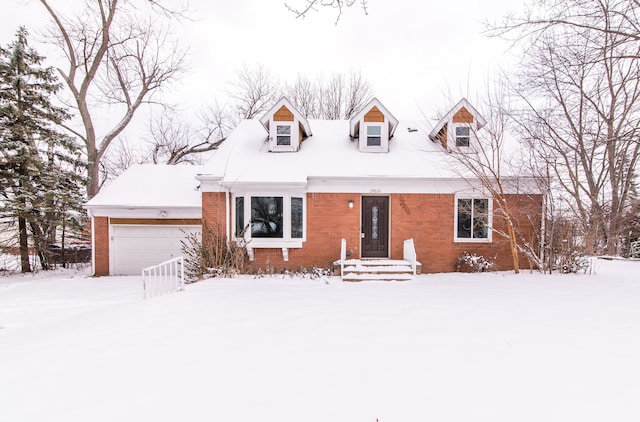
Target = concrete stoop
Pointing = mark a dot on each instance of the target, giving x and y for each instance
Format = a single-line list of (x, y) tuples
[(377, 269)]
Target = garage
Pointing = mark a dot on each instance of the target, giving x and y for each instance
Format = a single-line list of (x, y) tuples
[(134, 247)]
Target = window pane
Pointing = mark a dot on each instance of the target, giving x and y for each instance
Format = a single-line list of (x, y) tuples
[(464, 219), (480, 218), (284, 140), (374, 136), (266, 216), (283, 130), (374, 130), (373, 141), (462, 142), (296, 218), (462, 136), (239, 216), (462, 130)]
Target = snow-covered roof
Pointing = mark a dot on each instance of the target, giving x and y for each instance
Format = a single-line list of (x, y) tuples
[(151, 185), (329, 153)]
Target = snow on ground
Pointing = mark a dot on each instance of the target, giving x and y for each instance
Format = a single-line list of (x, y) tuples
[(444, 347)]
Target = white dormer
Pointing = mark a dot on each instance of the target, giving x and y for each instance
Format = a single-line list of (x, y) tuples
[(287, 127), (458, 128), (373, 126)]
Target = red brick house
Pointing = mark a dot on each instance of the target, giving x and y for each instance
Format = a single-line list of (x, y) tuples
[(294, 188)]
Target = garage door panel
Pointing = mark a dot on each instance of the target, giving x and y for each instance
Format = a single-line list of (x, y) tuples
[(137, 247), (137, 243)]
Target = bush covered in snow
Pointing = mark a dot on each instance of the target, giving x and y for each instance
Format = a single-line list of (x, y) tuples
[(468, 262)]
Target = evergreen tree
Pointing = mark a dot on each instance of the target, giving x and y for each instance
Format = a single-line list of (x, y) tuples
[(40, 168)]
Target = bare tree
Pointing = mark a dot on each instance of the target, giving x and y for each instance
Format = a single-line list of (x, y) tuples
[(253, 91), (175, 141), (486, 161), (304, 94), (119, 55), (580, 92), (314, 5), (622, 19), (339, 97)]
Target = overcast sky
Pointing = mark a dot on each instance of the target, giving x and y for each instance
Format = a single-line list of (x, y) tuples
[(421, 56)]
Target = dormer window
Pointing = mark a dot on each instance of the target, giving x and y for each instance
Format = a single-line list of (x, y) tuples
[(459, 127), (462, 136), (374, 136), (283, 135), (287, 128), (373, 127)]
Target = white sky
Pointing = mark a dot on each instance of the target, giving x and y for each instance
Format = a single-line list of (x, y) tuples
[(420, 56)]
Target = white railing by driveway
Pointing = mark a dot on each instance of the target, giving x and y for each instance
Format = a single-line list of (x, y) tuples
[(409, 254), (163, 278)]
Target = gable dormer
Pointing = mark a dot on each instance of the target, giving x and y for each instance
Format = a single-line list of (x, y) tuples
[(287, 127), (373, 126), (459, 127)]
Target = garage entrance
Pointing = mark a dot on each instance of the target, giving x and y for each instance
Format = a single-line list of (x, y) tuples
[(134, 247)]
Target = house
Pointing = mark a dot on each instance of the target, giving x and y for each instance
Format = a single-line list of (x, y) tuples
[(293, 188)]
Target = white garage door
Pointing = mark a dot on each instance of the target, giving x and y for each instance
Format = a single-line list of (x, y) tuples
[(136, 247)]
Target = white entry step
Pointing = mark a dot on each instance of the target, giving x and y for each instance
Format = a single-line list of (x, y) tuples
[(377, 269)]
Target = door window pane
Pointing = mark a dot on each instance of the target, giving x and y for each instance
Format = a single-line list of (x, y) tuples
[(374, 222)]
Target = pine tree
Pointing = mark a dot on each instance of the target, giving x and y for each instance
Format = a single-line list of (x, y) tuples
[(40, 167)]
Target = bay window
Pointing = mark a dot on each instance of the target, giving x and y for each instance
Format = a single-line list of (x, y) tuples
[(270, 220)]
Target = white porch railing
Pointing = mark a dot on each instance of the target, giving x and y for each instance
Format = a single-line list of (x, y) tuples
[(165, 277), (409, 254), (343, 257)]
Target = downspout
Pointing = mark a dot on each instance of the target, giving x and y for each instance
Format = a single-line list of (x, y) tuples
[(93, 243), (228, 215)]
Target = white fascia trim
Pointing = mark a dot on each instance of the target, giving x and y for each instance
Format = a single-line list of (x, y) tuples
[(124, 211), (262, 188)]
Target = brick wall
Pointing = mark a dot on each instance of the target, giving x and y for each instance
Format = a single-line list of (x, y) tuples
[(213, 209), (427, 218), (101, 246)]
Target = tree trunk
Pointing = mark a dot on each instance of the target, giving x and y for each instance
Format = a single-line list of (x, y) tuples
[(24, 246)]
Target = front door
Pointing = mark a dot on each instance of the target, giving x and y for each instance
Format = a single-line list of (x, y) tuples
[(375, 227)]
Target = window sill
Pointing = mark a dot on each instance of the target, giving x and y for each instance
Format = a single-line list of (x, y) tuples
[(274, 243), (466, 240)]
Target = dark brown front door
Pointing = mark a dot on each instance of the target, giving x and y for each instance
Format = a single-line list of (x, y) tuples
[(375, 226)]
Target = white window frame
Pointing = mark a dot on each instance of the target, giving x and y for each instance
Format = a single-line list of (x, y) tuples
[(273, 136), (489, 237), (453, 136), (384, 137), (270, 242), (278, 135)]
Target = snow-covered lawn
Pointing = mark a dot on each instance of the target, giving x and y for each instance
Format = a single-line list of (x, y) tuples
[(444, 347)]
